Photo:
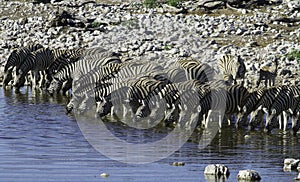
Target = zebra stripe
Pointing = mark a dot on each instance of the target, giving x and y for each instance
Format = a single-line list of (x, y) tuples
[(232, 68)]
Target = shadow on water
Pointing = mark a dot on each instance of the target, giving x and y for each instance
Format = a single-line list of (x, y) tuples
[(38, 141)]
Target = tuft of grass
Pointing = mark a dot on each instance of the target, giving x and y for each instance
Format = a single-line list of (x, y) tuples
[(174, 3), (293, 55), (150, 3)]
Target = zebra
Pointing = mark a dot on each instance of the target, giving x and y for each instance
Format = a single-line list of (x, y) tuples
[(83, 74), (268, 73), (36, 61), (250, 105), (65, 58), (193, 70), (132, 70), (15, 60), (288, 99), (232, 68), (266, 100), (64, 75), (227, 99)]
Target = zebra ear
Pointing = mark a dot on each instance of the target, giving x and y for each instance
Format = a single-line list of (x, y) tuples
[(265, 110)]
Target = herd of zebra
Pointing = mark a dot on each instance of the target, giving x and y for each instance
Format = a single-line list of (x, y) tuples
[(188, 93)]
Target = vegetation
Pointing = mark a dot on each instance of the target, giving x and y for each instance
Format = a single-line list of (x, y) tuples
[(293, 55), (150, 3), (155, 3), (174, 3)]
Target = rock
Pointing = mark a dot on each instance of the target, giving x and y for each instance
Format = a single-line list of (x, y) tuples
[(216, 169), (104, 175), (285, 72), (291, 164), (210, 5), (298, 177), (178, 163), (248, 175)]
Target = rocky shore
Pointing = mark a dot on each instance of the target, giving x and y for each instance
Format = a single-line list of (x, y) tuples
[(196, 29)]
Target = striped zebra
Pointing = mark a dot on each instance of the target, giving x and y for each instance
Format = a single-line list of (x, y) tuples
[(130, 70), (288, 99), (250, 105), (61, 61), (36, 61), (232, 68), (193, 70), (266, 100), (143, 93), (225, 100), (15, 60), (268, 74), (61, 77), (84, 79)]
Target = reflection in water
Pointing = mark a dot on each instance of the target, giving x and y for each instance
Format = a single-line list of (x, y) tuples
[(38, 141)]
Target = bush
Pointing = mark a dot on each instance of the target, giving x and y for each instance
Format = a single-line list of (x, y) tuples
[(174, 3), (294, 55), (150, 3)]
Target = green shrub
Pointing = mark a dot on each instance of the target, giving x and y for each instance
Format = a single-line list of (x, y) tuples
[(294, 55), (150, 3), (174, 3)]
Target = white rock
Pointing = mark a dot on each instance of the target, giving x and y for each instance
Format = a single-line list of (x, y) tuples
[(291, 164), (216, 169), (248, 175)]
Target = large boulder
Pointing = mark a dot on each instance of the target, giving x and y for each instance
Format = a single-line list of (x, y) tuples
[(291, 164), (248, 175)]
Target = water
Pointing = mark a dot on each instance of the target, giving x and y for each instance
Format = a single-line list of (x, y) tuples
[(39, 142)]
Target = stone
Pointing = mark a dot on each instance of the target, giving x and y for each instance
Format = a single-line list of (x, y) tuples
[(248, 175), (178, 163), (298, 177), (216, 169), (291, 164), (104, 175)]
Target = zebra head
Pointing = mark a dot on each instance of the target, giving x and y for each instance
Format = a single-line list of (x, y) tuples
[(7, 77), (270, 119), (242, 115), (54, 86), (19, 80), (103, 108)]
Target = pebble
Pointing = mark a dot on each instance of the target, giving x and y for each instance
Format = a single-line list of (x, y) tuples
[(178, 163), (104, 175)]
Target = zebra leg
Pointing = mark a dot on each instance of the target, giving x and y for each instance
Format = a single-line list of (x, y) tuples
[(295, 123), (285, 120), (207, 118)]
